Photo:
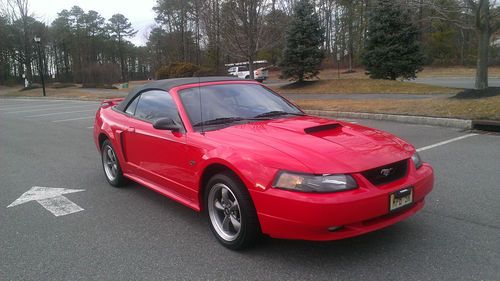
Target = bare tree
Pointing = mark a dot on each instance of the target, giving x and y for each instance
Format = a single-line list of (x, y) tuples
[(243, 29), (485, 22), (211, 25), (485, 26), (18, 11)]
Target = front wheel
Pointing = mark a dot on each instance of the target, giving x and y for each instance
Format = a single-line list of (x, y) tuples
[(232, 215)]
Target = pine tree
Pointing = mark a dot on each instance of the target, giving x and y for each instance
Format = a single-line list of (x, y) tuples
[(392, 49), (120, 28), (302, 54)]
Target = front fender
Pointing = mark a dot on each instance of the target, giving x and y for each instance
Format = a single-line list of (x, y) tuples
[(252, 173)]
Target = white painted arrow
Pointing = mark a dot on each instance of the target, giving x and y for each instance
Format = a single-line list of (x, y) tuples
[(50, 198)]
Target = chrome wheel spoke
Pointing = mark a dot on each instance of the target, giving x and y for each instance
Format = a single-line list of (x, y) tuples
[(218, 206), (225, 196), (236, 224), (225, 223), (110, 154)]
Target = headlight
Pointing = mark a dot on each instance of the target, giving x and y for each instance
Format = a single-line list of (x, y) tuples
[(417, 160), (314, 183)]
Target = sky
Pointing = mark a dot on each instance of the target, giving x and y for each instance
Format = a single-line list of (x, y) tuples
[(139, 12)]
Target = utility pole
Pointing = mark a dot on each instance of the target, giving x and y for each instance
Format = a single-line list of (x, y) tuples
[(40, 62)]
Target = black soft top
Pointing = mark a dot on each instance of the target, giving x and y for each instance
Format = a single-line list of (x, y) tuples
[(168, 84)]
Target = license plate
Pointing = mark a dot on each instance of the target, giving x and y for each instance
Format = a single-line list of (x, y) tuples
[(400, 198)]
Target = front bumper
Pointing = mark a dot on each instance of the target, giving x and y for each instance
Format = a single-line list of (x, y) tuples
[(307, 216)]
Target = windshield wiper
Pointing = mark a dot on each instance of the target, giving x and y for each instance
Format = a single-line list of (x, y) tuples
[(223, 120), (277, 113)]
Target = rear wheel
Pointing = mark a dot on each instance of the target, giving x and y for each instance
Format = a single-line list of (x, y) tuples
[(232, 215), (111, 165)]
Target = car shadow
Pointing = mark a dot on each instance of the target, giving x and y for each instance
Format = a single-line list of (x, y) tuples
[(401, 237)]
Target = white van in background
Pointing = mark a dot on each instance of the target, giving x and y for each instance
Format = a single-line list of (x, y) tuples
[(240, 70)]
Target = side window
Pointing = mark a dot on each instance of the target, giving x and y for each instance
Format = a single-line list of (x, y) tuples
[(131, 107), (153, 105)]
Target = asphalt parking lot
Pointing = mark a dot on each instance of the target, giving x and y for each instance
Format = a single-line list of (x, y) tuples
[(136, 234)]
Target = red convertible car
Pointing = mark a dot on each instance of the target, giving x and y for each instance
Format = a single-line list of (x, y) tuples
[(258, 164)]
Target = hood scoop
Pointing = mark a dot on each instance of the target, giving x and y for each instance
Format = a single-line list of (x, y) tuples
[(321, 128)]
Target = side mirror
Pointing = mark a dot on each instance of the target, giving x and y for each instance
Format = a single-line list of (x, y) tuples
[(166, 124)]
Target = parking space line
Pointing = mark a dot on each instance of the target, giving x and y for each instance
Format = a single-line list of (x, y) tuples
[(91, 127), (15, 104), (445, 142), (29, 106), (7, 106), (5, 102), (57, 113), (71, 119), (53, 108), (25, 99)]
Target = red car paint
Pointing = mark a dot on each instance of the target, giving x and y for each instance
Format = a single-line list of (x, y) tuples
[(173, 164)]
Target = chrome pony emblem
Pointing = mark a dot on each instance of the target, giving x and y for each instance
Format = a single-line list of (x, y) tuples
[(386, 172)]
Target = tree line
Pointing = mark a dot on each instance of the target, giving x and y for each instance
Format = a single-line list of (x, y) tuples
[(82, 46)]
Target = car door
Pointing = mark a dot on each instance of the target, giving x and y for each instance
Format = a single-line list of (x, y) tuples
[(157, 156)]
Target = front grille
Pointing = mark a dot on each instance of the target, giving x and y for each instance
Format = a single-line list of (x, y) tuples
[(387, 173)]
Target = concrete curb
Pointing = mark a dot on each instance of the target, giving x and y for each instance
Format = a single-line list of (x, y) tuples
[(421, 120)]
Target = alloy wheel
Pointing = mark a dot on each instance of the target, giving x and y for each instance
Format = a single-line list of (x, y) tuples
[(224, 211), (110, 163)]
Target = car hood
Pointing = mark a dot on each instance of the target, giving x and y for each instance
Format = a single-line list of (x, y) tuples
[(322, 145)]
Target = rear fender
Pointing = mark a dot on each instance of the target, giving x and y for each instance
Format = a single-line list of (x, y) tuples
[(112, 133)]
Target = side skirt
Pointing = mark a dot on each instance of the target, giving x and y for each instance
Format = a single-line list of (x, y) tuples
[(162, 191)]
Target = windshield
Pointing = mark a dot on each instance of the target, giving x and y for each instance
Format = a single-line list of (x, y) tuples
[(233, 102)]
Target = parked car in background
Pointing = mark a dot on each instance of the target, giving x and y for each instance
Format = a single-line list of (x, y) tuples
[(241, 70)]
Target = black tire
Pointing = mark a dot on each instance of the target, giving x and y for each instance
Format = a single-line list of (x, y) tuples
[(118, 180), (249, 230), (247, 77)]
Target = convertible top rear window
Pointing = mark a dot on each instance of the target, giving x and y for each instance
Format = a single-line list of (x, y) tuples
[(131, 108)]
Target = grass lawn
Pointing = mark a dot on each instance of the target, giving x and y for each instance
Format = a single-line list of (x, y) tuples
[(483, 108), (362, 86), (429, 71), (493, 71), (359, 83)]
